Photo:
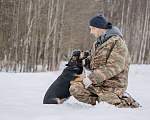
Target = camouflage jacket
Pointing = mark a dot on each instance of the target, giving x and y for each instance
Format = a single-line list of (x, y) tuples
[(109, 66)]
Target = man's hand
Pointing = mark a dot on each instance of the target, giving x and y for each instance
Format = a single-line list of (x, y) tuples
[(87, 82)]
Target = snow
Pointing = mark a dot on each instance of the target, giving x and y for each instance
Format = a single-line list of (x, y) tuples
[(21, 96)]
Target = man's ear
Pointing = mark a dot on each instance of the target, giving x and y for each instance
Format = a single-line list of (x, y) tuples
[(109, 25)]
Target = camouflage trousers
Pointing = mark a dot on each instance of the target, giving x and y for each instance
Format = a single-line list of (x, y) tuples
[(87, 96)]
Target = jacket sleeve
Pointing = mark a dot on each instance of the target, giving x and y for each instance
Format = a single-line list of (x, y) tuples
[(87, 63), (114, 65)]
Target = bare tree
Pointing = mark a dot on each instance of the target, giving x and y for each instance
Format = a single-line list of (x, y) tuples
[(44, 32)]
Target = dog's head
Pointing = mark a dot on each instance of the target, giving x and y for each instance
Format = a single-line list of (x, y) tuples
[(77, 57)]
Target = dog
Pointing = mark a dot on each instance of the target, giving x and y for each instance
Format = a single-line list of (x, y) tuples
[(58, 92)]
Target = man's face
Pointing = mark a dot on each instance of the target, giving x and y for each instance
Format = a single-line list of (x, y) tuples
[(97, 32)]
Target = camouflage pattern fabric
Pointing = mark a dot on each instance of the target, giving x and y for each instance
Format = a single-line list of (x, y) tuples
[(109, 66), (87, 96)]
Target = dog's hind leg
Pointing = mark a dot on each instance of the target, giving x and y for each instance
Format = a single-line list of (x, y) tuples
[(52, 101), (55, 100), (63, 100)]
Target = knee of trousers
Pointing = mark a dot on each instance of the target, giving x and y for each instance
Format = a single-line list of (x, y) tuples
[(75, 88)]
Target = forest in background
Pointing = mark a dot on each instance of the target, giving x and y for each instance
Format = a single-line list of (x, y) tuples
[(44, 32)]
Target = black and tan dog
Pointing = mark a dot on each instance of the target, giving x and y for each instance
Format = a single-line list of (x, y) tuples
[(58, 92)]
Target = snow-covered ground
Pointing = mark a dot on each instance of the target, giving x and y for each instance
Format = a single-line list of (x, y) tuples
[(21, 96)]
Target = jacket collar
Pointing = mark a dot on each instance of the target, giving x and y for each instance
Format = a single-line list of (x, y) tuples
[(110, 40)]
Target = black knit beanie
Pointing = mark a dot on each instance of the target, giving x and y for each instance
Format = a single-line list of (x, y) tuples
[(99, 21)]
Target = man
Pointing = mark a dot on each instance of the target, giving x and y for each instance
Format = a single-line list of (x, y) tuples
[(109, 64)]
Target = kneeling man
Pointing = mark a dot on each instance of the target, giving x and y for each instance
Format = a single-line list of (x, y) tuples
[(109, 64)]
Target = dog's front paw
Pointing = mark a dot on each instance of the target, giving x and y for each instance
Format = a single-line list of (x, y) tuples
[(79, 79)]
